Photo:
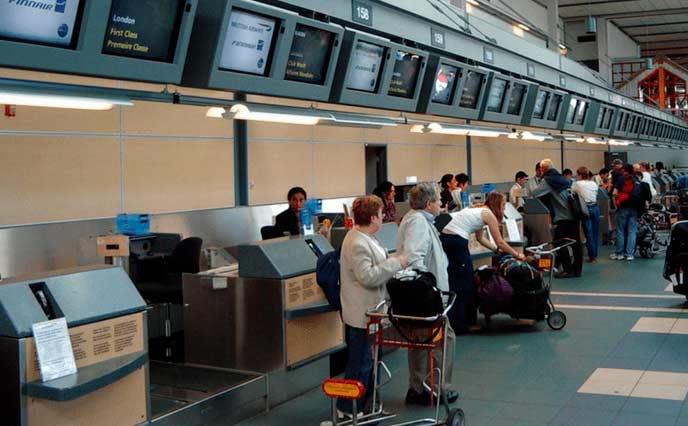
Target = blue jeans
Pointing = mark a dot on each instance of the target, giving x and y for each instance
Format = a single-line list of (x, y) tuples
[(626, 230), (591, 227), (358, 367)]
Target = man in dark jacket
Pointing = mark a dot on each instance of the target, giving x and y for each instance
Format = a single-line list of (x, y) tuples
[(554, 191)]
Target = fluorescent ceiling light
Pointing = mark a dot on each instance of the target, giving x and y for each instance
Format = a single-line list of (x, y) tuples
[(60, 99), (473, 2), (461, 130), (345, 119), (595, 141), (619, 142), (646, 145), (523, 27), (535, 136), (215, 112), (275, 114)]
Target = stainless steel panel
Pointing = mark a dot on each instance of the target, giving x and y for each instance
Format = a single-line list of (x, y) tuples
[(45, 247), (238, 327)]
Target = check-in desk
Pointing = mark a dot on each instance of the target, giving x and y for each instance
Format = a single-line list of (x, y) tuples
[(387, 236), (270, 316), (537, 222), (106, 321)]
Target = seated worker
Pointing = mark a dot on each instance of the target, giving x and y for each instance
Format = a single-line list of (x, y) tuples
[(386, 192), (461, 184), (365, 269), (448, 184), (516, 191), (288, 220), (454, 239)]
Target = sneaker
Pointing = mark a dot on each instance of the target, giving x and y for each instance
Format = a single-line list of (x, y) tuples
[(629, 258), (341, 415), (615, 256)]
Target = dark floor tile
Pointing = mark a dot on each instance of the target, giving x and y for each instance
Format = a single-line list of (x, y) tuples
[(653, 406), (536, 413), (626, 363), (597, 402), (638, 345), (627, 418), (573, 416)]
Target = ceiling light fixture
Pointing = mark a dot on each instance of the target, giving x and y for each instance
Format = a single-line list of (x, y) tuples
[(523, 27), (460, 130), (51, 98), (535, 136)]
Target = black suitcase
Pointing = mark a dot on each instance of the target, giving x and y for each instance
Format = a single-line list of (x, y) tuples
[(676, 261)]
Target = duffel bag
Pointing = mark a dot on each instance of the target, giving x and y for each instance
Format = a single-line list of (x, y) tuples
[(494, 292), (521, 275)]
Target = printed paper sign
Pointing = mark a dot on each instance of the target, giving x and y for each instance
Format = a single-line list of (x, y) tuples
[(54, 349)]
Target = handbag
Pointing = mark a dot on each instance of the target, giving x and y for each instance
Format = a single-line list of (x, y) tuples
[(414, 295), (578, 206)]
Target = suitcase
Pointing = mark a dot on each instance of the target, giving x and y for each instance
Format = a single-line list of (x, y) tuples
[(676, 261)]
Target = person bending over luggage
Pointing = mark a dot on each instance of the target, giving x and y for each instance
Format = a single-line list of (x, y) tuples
[(419, 240), (554, 191), (365, 269), (288, 220), (455, 243)]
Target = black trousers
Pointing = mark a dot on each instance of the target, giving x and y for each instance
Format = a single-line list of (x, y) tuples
[(571, 263)]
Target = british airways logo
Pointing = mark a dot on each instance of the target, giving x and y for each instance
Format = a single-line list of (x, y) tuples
[(57, 6)]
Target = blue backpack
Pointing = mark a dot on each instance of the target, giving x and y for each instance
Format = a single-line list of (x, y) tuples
[(327, 277)]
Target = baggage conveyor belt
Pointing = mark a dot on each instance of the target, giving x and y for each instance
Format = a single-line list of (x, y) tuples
[(191, 395)]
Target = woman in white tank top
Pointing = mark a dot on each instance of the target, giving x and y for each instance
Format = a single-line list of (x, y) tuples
[(455, 243)]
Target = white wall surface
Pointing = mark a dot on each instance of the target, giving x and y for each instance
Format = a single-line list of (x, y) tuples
[(619, 45)]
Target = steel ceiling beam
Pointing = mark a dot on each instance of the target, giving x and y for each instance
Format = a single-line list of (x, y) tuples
[(631, 15), (596, 3), (660, 24)]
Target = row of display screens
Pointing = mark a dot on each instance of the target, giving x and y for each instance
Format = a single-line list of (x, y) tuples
[(149, 29), (145, 29)]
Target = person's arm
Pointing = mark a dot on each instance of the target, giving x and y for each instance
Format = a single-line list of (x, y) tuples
[(491, 221), (416, 244), (369, 274)]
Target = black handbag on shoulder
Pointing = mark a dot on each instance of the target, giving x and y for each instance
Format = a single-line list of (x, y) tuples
[(415, 296)]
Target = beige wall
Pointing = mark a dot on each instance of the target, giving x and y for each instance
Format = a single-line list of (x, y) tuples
[(154, 157)]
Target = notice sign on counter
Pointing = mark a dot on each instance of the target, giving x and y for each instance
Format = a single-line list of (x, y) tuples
[(146, 29), (54, 349)]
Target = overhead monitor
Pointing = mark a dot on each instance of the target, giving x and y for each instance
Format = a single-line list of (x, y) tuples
[(609, 115), (516, 97), (366, 67), (52, 23), (470, 93), (247, 45), (600, 117), (405, 74), (445, 82), (495, 97), (309, 57), (540, 104), (571, 112), (581, 109), (554, 107), (146, 29)]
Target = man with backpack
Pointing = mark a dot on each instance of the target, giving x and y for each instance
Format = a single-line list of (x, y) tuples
[(555, 192), (629, 201)]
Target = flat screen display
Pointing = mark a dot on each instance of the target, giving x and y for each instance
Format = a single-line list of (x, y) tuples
[(600, 117), (571, 113), (146, 29), (366, 67), (248, 43), (310, 53), (540, 104), (445, 82), (554, 107), (608, 118), (580, 112), (495, 99), (405, 75), (516, 99), (625, 122), (471, 89), (50, 22)]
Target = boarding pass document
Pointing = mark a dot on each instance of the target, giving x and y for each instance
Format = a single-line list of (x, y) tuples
[(54, 349), (512, 230)]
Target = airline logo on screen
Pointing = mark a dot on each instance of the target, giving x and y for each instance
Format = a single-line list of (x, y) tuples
[(57, 6)]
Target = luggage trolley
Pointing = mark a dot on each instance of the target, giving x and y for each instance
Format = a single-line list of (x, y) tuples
[(414, 333), (545, 255)]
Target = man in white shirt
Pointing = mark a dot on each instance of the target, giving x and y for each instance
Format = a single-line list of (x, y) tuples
[(647, 178), (532, 183), (591, 226), (516, 191)]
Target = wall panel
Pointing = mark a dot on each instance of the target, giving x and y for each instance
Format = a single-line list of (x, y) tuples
[(339, 170), (62, 120), (590, 156), (170, 175), (274, 167), (498, 159), (58, 178), (410, 160), (448, 159), (154, 118)]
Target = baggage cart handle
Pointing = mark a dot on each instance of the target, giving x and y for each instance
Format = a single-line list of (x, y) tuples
[(540, 249), (376, 311)]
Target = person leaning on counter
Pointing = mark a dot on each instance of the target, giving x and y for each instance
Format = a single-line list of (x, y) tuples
[(288, 220)]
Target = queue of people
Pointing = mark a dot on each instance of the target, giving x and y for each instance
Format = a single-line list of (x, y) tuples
[(366, 266)]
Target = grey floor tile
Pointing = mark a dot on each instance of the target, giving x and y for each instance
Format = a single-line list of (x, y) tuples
[(653, 406), (597, 402), (626, 363), (638, 345), (627, 418), (499, 421), (573, 416), (682, 421), (537, 413)]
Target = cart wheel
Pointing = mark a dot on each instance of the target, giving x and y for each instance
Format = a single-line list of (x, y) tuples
[(644, 253), (556, 320), (456, 417)]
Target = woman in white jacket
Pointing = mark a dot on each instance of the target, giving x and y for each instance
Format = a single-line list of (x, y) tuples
[(365, 268)]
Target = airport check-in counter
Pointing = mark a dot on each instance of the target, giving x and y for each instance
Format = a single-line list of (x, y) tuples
[(270, 316), (537, 222), (387, 236), (107, 326)]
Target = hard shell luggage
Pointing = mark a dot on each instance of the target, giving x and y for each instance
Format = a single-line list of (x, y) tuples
[(676, 260)]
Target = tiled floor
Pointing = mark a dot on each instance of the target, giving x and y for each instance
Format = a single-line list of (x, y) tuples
[(622, 359)]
